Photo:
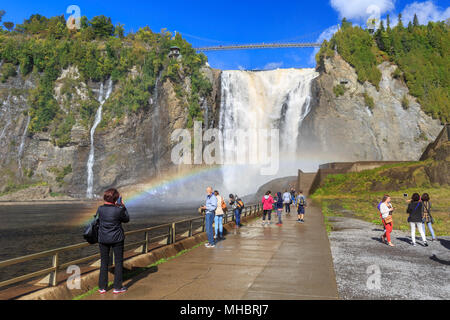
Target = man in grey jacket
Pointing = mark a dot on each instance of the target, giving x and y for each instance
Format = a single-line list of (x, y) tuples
[(210, 207)]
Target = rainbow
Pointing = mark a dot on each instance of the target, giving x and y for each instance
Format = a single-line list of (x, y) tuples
[(138, 193), (134, 195)]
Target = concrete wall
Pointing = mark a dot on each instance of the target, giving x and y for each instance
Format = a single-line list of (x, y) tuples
[(313, 181), (305, 181)]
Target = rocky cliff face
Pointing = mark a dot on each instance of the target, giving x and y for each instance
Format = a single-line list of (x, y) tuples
[(128, 152), (363, 122)]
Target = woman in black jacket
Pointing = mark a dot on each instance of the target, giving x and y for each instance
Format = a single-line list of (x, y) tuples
[(111, 235), (415, 209)]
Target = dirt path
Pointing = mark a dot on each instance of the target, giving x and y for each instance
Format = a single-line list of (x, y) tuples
[(405, 272)]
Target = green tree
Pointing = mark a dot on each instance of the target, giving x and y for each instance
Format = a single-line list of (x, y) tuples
[(102, 26), (119, 31), (400, 22), (8, 25), (415, 21)]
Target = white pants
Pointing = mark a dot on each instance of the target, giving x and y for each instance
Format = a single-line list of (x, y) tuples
[(413, 231)]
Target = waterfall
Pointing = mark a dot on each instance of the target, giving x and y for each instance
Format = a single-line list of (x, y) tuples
[(7, 108), (22, 144), (253, 100), (98, 118), (156, 136)]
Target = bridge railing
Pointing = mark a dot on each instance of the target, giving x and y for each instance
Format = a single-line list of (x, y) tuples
[(142, 246), (260, 46)]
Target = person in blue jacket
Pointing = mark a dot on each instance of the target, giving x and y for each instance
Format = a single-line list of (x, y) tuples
[(210, 207)]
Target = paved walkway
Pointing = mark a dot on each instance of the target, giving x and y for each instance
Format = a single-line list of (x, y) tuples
[(292, 262)]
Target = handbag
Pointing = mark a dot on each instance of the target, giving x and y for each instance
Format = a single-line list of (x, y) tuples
[(388, 220), (91, 232)]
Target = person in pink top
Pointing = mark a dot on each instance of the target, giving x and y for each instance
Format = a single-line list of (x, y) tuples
[(267, 202)]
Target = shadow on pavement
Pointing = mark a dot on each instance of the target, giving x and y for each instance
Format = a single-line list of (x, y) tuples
[(139, 273), (444, 262), (445, 243), (378, 239), (407, 240)]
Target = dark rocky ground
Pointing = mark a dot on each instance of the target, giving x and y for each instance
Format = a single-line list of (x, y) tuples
[(405, 272)]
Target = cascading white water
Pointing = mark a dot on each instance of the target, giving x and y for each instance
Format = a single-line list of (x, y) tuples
[(276, 99), (156, 136), (6, 109), (22, 144), (98, 118)]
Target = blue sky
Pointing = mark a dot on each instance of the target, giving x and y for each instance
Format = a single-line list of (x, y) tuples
[(210, 22)]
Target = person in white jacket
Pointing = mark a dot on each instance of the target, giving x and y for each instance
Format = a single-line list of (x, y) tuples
[(287, 202), (218, 219), (386, 210)]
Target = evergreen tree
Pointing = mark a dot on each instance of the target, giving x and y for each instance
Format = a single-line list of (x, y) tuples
[(119, 31), (415, 21), (345, 24), (400, 22)]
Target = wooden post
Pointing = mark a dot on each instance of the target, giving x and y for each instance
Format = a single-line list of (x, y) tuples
[(55, 264), (145, 247), (174, 234), (190, 229)]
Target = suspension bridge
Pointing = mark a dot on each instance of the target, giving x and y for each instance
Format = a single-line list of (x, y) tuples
[(260, 46)]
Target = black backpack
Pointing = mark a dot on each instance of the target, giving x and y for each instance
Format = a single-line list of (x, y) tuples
[(91, 232)]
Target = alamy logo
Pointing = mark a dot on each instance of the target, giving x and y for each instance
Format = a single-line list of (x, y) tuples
[(228, 147), (374, 280), (74, 20), (73, 281)]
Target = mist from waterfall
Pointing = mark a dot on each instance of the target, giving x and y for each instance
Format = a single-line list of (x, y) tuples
[(98, 118), (276, 99)]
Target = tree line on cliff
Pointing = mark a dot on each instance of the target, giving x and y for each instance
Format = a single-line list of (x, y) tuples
[(419, 51), (43, 47)]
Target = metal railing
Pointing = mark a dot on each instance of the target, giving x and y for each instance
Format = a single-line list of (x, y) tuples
[(261, 46), (143, 246)]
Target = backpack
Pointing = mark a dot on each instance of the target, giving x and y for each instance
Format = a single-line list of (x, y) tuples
[(224, 205), (301, 201), (240, 204), (91, 231)]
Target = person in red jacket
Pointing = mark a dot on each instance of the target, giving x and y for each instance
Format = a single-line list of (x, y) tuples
[(267, 202)]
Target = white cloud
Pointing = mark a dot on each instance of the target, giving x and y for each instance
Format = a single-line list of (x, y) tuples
[(273, 65), (426, 11), (326, 35), (361, 9)]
